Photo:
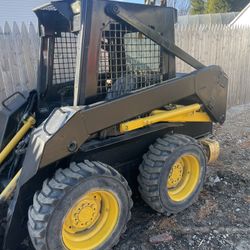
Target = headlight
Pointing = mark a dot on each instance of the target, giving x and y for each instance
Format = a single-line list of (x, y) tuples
[(76, 7)]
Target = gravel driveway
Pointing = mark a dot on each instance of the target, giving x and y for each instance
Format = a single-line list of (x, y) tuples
[(220, 219)]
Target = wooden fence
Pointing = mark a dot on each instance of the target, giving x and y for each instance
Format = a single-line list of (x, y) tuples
[(19, 48), (216, 44), (224, 46)]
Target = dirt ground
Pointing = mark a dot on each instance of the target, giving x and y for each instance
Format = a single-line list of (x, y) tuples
[(220, 219)]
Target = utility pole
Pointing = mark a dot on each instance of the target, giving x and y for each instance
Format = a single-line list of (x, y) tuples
[(153, 2), (150, 2)]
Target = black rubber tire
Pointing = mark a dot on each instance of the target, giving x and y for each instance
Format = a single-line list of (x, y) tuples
[(155, 168), (58, 194)]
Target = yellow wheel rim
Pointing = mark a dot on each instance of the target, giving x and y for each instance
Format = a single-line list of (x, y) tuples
[(90, 221), (183, 178)]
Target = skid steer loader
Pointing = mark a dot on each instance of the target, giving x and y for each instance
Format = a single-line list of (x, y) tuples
[(109, 108)]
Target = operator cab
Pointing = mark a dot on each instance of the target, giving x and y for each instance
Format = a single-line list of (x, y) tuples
[(103, 60)]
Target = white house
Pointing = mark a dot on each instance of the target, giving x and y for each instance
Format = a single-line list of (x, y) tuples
[(243, 19)]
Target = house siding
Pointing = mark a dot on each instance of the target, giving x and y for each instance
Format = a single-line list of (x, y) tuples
[(243, 19)]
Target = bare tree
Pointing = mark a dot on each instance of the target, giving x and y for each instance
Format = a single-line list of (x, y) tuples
[(164, 3), (150, 2), (183, 6)]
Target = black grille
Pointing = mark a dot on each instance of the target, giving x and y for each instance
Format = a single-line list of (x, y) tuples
[(65, 58), (128, 61)]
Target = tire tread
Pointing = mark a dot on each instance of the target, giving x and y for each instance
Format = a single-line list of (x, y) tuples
[(151, 168), (45, 201)]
